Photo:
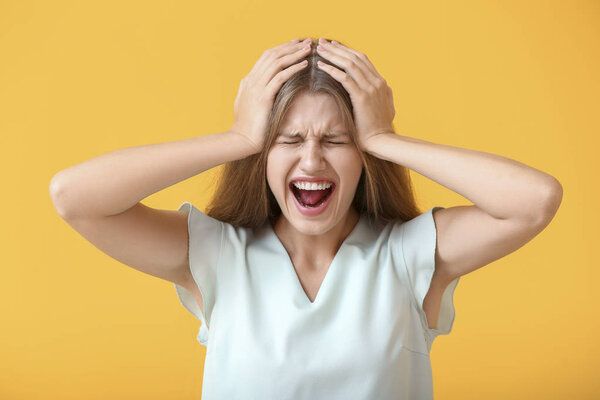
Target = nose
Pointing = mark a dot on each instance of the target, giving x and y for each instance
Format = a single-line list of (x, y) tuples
[(312, 160)]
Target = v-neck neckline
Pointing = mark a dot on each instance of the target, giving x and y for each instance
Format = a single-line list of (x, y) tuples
[(290, 265)]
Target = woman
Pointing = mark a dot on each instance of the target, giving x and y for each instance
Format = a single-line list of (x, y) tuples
[(313, 273)]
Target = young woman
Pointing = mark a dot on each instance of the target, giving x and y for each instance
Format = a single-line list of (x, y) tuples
[(313, 272)]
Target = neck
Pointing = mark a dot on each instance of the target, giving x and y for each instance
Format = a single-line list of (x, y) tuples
[(315, 249)]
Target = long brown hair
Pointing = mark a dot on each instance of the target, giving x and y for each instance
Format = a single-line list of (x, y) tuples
[(243, 197)]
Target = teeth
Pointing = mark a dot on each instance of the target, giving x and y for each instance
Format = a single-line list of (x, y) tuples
[(312, 185)]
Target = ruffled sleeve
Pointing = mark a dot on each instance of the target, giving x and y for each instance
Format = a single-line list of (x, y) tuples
[(205, 242), (419, 240)]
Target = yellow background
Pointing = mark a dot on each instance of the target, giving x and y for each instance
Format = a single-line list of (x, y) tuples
[(81, 78)]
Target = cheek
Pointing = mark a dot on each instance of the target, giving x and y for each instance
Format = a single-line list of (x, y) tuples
[(349, 162), (277, 170), (275, 157)]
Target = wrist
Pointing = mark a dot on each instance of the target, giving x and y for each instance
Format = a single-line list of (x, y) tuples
[(250, 148), (372, 143)]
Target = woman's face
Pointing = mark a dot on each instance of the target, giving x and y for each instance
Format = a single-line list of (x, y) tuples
[(311, 154)]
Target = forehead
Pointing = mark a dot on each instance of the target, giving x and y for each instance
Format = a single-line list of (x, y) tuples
[(313, 113)]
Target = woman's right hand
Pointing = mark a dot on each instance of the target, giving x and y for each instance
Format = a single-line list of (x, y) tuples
[(257, 90)]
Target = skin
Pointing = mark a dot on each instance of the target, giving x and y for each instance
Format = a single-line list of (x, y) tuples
[(513, 202), (312, 242), (101, 198)]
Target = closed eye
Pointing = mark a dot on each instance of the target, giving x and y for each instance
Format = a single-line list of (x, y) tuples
[(299, 142)]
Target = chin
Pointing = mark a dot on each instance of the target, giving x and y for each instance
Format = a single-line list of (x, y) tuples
[(311, 228)]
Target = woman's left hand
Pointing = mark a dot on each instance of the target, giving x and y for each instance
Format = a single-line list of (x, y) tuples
[(371, 96)]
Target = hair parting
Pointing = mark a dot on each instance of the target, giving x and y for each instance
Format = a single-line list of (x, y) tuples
[(243, 197)]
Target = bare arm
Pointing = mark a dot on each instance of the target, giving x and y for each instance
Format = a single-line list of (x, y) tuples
[(513, 201), (100, 198), (114, 182)]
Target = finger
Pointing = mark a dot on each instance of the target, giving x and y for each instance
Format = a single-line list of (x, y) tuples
[(283, 62), (350, 66), (391, 100), (358, 54), (368, 69), (258, 65), (282, 76), (274, 53), (349, 84), (351, 55)]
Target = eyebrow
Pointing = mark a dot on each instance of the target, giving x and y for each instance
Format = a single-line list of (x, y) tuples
[(325, 135)]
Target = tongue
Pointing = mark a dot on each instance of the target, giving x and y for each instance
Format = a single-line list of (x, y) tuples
[(312, 197)]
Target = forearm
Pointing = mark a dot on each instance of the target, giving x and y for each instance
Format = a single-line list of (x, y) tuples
[(501, 187), (114, 182)]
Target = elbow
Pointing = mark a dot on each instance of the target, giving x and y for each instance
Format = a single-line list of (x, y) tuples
[(552, 194), (57, 195)]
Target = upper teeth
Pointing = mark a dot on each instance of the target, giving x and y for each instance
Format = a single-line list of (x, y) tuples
[(312, 185)]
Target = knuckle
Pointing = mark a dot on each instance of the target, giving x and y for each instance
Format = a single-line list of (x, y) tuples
[(362, 97), (278, 78), (260, 99), (280, 64)]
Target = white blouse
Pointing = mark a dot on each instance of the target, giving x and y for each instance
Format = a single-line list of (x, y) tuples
[(365, 336)]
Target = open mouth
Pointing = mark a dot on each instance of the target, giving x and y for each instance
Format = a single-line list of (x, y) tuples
[(312, 198)]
